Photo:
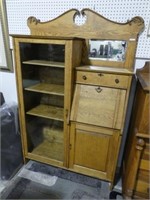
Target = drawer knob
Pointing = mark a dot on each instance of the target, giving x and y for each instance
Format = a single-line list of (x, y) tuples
[(98, 89), (117, 80), (84, 77)]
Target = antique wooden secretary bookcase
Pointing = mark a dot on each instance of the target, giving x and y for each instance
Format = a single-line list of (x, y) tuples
[(73, 88)]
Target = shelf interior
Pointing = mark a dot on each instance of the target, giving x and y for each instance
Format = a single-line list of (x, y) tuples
[(43, 75), (45, 63), (47, 88), (45, 137), (50, 150), (47, 111)]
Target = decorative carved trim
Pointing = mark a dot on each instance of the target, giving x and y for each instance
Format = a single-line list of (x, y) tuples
[(95, 26), (33, 20), (143, 75), (145, 69), (137, 20)]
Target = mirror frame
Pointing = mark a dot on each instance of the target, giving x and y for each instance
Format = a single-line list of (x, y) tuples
[(5, 37)]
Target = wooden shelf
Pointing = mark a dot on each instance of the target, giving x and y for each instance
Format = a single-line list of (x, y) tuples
[(47, 88), (52, 150), (44, 63), (49, 112)]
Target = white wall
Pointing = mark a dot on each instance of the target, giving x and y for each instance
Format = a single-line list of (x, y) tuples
[(8, 87)]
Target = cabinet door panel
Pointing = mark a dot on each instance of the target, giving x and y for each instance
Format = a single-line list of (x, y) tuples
[(91, 150), (94, 152), (100, 106)]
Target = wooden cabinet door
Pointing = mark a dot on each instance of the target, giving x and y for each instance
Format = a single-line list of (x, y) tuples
[(100, 106), (94, 150), (44, 70)]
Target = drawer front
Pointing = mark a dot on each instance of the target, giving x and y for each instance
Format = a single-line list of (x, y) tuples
[(111, 80), (142, 184), (142, 187)]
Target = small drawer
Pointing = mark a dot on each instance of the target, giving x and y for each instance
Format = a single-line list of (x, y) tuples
[(103, 79), (144, 164), (142, 186), (142, 182)]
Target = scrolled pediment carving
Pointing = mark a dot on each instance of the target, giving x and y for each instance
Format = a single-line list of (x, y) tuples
[(94, 26), (137, 21), (33, 20)]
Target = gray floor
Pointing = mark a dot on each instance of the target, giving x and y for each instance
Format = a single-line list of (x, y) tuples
[(45, 186)]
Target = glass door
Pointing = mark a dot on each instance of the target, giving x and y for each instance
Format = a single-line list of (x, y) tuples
[(42, 71)]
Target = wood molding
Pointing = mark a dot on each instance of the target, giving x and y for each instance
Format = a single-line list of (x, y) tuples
[(94, 26)]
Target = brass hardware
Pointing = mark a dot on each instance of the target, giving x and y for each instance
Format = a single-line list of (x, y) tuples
[(84, 77), (98, 89), (117, 81), (100, 74)]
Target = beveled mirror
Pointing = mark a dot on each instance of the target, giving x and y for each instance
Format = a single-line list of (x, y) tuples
[(109, 50)]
